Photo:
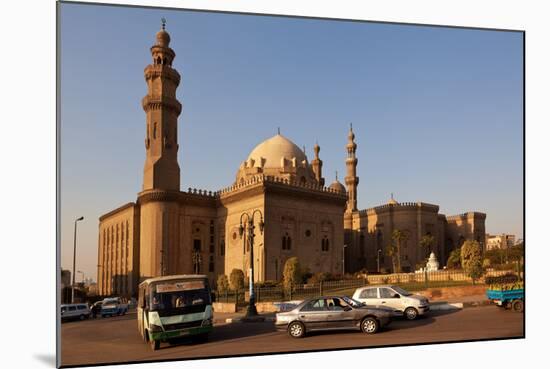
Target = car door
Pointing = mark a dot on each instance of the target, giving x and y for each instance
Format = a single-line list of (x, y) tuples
[(390, 298), (71, 311), (340, 314), (314, 314), (369, 296)]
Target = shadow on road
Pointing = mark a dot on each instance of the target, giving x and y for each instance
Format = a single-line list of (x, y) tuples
[(228, 332), (400, 323)]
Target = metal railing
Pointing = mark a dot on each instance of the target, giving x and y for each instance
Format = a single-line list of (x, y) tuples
[(409, 281)]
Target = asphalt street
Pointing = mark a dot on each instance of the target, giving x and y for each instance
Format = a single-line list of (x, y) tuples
[(117, 340)]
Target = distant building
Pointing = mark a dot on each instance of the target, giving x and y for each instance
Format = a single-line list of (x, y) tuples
[(501, 241), (65, 278)]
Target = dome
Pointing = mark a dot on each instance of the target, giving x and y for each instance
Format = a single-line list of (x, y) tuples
[(274, 149), (336, 185), (163, 38)]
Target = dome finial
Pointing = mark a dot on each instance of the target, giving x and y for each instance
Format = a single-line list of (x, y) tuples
[(163, 20), (278, 130), (337, 175)]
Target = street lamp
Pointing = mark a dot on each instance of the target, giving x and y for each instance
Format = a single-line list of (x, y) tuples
[(378, 260), (83, 276), (344, 260), (251, 309), (74, 258)]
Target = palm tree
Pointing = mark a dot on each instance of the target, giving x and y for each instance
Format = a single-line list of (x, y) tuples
[(399, 237), (391, 251), (426, 243)]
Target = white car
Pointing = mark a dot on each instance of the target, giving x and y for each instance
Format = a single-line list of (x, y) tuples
[(403, 302), (75, 311)]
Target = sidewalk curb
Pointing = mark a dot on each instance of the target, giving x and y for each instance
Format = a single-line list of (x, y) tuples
[(443, 306), (259, 319)]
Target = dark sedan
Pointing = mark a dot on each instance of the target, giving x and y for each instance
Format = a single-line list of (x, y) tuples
[(332, 313)]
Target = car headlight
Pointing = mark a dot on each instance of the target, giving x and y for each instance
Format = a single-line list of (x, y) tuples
[(155, 328)]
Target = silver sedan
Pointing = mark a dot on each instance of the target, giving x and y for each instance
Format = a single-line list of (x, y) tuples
[(332, 313)]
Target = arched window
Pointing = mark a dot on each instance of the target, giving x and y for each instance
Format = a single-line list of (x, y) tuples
[(158, 60), (324, 244), (286, 242), (164, 61), (303, 180), (155, 130), (222, 248)]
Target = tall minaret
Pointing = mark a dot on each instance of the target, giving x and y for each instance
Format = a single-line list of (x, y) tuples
[(351, 178), (161, 170), (317, 165)]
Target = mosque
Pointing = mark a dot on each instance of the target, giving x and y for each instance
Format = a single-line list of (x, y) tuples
[(170, 231)]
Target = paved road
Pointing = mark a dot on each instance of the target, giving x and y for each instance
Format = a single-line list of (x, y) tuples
[(117, 340)]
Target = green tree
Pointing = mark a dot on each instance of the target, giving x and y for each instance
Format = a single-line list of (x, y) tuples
[(236, 279), (222, 283), (470, 257), (453, 262), (292, 273), (399, 237), (426, 243)]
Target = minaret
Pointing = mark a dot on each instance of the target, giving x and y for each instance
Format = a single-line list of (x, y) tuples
[(161, 170), (160, 250), (317, 165), (351, 178)]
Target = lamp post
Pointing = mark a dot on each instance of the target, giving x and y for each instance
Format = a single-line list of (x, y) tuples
[(378, 260), (344, 260), (83, 276), (251, 309), (74, 258)]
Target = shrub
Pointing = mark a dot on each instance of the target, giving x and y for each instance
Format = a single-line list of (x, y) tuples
[(454, 261), (292, 273), (470, 257), (222, 283), (236, 279), (320, 277), (305, 274), (363, 273), (506, 278)]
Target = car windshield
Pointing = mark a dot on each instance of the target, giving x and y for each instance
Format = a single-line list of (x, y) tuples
[(401, 291), (352, 302), (180, 294), (110, 301)]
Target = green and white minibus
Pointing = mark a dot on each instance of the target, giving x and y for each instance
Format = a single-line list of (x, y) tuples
[(174, 306)]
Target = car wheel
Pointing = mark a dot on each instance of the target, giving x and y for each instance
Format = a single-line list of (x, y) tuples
[(82, 317), (517, 306), (296, 330), (370, 325), (155, 344), (411, 313)]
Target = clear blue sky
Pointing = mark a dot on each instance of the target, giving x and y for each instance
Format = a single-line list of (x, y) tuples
[(437, 111)]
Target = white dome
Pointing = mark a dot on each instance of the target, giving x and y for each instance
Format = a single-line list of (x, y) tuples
[(273, 150)]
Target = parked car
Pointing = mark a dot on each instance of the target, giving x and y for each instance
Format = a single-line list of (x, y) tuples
[(74, 311), (96, 308), (332, 313), (113, 306), (401, 301)]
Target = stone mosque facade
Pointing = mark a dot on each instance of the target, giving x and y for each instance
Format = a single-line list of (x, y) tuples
[(169, 231)]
